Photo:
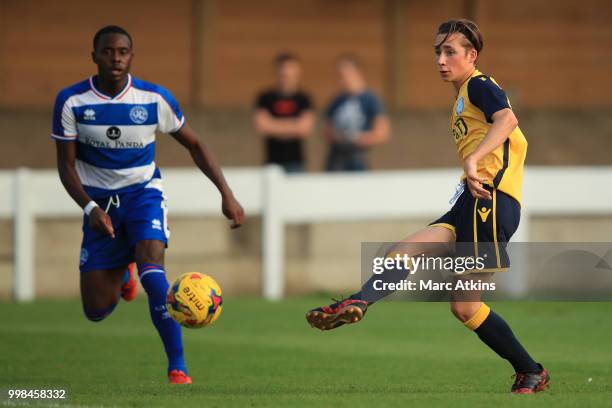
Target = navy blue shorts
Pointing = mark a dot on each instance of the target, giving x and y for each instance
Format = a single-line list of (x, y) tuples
[(136, 216), (483, 228)]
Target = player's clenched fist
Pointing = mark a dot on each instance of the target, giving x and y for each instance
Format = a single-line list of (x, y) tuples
[(101, 222)]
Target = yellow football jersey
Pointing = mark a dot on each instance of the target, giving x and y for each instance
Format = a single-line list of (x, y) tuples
[(478, 99)]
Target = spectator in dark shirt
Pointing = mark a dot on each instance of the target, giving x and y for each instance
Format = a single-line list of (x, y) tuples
[(355, 120), (284, 116)]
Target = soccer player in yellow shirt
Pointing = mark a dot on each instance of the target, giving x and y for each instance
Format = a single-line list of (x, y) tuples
[(486, 212)]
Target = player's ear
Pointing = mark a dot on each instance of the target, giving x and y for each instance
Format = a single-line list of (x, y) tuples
[(472, 55), (93, 57)]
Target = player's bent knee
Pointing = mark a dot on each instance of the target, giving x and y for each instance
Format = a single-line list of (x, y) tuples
[(97, 315), (464, 311), (150, 251)]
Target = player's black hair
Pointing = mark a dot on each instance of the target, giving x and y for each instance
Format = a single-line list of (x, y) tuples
[(283, 57), (110, 29), (466, 27)]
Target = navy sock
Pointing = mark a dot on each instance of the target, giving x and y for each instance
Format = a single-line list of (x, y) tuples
[(495, 333), (371, 295), (153, 280)]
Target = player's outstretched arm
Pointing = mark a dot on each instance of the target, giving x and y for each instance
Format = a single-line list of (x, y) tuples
[(204, 159), (66, 156)]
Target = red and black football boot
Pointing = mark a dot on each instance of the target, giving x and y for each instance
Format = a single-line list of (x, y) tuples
[(530, 383), (345, 311)]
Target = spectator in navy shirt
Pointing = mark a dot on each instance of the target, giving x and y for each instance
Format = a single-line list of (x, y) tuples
[(355, 120)]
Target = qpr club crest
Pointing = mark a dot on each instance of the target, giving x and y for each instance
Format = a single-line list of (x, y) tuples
[(139, 114)]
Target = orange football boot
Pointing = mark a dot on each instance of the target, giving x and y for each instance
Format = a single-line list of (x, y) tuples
[(129, 290), (178, 377)]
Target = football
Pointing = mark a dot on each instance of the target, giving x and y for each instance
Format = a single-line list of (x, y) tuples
[(194, 300)]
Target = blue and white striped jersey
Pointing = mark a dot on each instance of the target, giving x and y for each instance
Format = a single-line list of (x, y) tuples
[(115, 136)]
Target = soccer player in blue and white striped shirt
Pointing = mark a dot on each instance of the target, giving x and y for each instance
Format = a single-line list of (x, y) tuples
[(104, 129)]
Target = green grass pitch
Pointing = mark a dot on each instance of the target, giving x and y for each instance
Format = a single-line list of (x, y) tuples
[(265, 354)]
